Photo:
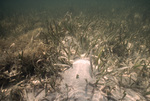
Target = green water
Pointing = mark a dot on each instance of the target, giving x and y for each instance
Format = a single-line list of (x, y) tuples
[(75, 6)]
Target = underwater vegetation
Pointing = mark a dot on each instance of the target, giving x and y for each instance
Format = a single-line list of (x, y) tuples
[(35, 49)]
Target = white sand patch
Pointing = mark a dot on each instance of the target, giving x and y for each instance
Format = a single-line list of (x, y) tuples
[(76, 83)]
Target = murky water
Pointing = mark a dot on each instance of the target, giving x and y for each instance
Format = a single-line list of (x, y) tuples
[(78, 82), (75, 6)]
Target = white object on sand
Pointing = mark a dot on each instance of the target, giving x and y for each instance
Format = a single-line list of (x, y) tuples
[(75, 84)]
